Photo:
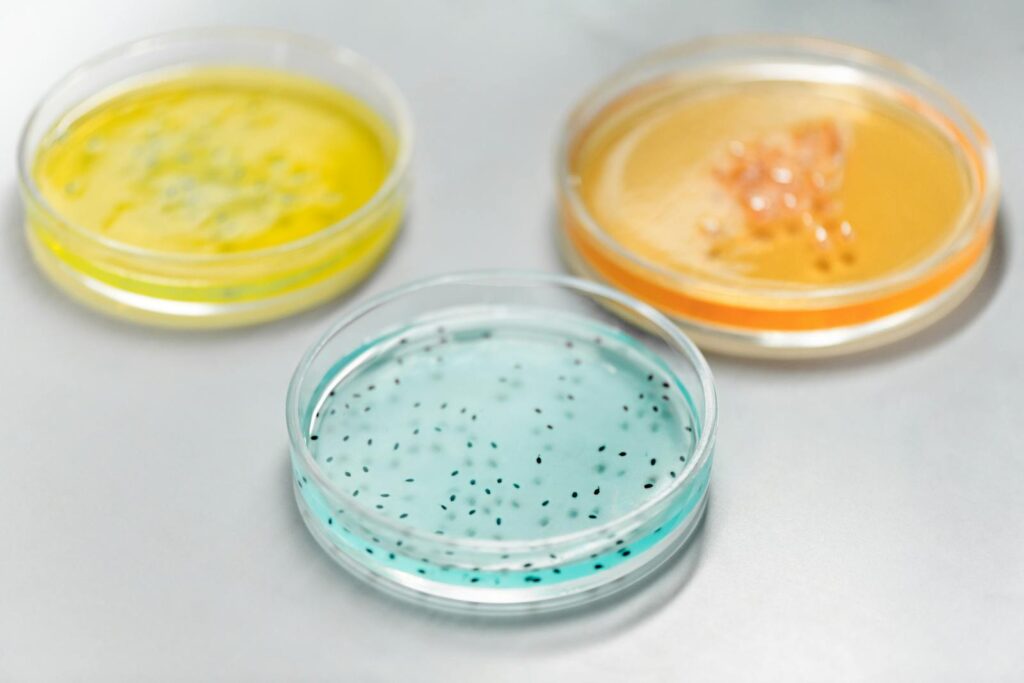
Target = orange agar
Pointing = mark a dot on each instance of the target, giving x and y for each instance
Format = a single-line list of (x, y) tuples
[(751, 201)]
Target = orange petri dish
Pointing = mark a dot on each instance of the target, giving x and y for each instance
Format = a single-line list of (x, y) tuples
[(779, 195)]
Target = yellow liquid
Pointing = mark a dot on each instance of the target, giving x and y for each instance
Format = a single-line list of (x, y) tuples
[(772, 183), (216, 160)]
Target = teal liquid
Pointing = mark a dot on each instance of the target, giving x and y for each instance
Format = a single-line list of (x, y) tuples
[(519, 429)]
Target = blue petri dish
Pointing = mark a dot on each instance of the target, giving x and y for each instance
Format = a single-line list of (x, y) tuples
[(502, 441)]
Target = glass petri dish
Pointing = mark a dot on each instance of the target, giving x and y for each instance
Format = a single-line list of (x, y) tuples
[(215, 177), (501, 441), (778, 195)]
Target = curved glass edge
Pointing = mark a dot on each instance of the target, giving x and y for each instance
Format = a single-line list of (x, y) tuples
[(577, 584), (817, 343)]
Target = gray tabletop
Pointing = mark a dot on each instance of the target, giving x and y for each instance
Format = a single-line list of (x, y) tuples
[(867, 514)]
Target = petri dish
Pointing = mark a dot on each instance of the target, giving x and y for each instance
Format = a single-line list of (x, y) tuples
[(779, 196), (501, 442), (215, 177)]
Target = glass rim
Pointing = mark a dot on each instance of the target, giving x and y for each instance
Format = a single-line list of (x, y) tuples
[(678, 342), (341, 57), (979, 212)]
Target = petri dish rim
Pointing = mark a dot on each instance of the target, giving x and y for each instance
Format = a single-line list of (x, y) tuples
[(676, 339), (340, 56), (977, 216)]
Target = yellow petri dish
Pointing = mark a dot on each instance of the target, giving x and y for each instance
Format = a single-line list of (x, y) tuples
[(215, 178), (779, 196)]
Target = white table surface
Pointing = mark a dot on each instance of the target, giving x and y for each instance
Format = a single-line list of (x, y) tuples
[(867, 514)]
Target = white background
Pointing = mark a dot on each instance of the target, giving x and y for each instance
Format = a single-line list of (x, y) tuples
[(867, 514)]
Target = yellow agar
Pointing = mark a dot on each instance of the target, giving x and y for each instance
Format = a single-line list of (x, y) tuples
[(774, 183), (215, 162)]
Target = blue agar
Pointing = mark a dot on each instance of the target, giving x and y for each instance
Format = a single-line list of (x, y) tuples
[(509, 429)]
